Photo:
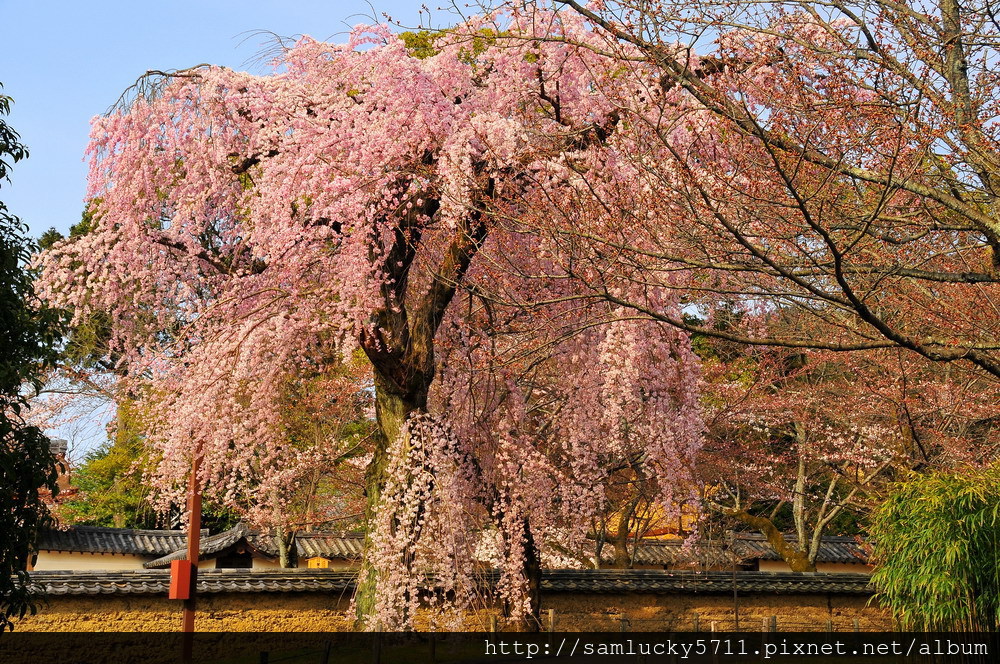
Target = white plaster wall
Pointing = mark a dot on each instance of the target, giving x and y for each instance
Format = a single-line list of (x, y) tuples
[(344, 565), (338, 565), (71, 560), (265, 563), (850, 568)]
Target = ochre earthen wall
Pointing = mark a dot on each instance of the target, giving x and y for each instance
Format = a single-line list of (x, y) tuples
[(322, 612), (682, 613), (230, 612)]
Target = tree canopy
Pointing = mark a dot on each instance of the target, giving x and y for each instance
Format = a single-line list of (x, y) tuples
[(841, 164), (252, 231)]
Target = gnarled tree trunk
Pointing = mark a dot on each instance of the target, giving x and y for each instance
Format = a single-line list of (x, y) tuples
[(392, 409), (288, 555), (400, 346)]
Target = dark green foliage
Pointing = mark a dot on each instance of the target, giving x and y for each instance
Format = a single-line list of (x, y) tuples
[(115, 493), (87, 222), (112, 491), (937, 550), (11, 148), (79, 229), (28, 333), (49, 238)]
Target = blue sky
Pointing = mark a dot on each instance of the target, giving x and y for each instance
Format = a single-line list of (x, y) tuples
[(65, 62)]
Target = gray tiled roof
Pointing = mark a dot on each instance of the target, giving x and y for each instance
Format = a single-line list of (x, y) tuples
[(155, 582), (832, 549), (741, 547), (94, 539), (170, 545), (674, 553), (346, 546), (654, 581), (207, 546)]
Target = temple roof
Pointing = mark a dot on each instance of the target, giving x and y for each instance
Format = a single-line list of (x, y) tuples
[(96, 539), (155, 582)]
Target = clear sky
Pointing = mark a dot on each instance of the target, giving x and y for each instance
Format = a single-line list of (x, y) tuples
[(65, 62)]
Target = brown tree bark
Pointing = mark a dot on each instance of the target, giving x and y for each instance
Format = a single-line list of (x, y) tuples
[(400, 346), (797, 559)]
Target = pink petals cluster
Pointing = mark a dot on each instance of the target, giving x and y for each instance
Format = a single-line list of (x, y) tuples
[(423, 536)]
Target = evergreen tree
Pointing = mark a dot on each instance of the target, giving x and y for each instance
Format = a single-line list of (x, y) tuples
[(28, 333)]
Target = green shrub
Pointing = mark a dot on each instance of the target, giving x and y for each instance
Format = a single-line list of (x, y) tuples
[(937, 551)]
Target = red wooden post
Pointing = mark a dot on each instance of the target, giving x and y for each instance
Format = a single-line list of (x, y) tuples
[(193, 545), (180, 579)]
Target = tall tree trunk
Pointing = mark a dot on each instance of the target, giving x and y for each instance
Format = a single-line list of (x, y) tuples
[(400, 345), (288, 555), (532, 571), (623, 559), (392, 409)]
